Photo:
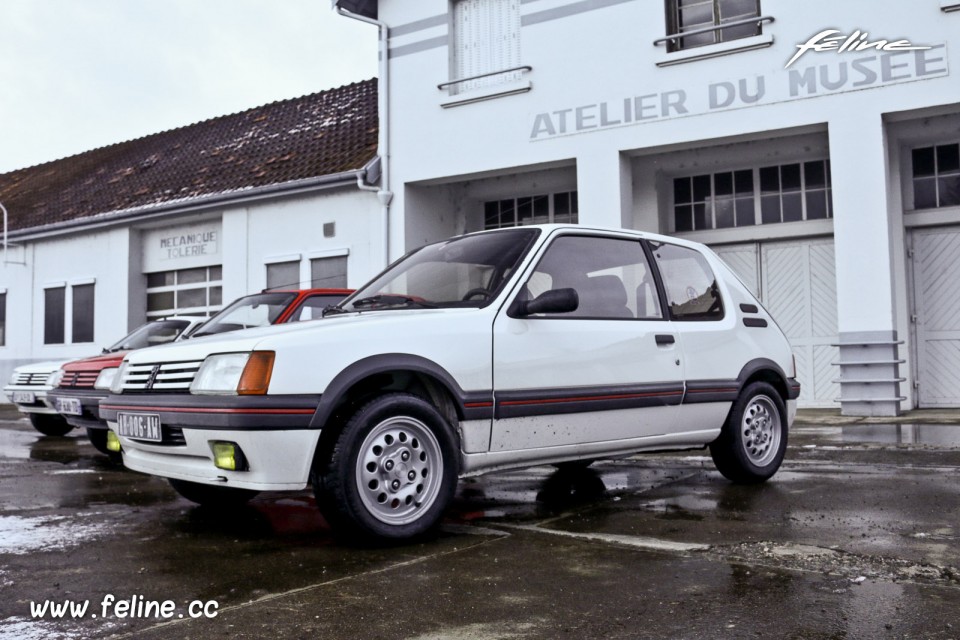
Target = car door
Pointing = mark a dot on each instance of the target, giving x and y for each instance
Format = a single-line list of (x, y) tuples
[(713, 352), (609, 370)]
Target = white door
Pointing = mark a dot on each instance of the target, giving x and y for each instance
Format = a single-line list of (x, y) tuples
[(936, 272), (797, 284), (611, 370)]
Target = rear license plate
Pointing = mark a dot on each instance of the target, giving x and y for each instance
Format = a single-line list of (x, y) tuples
[(24, 397), (141, 426), (69, 406)]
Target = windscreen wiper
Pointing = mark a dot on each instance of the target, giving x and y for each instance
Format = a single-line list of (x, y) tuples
[(392, 299)]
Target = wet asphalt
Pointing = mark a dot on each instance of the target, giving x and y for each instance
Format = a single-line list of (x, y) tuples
[(857, 536)]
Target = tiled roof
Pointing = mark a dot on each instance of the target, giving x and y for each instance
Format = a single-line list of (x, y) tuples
[(320, 134)]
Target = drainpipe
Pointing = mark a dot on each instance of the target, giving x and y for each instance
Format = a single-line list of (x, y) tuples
[(384, 195), (4, 232)]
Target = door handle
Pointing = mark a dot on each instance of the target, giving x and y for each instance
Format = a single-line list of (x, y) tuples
[(664, 339)]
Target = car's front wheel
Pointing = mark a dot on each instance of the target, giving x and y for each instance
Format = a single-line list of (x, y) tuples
[(212, 496), (753, 441), (391, 470), (50, 425)]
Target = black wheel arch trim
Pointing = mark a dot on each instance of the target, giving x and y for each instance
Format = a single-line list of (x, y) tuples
[(758, 365), (475, 405)]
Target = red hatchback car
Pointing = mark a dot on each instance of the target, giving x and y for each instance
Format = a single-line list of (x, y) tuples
[(84, 383)]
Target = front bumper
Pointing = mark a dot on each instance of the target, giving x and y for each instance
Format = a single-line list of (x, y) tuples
[(273, 432), (40, 403), (89, 405)]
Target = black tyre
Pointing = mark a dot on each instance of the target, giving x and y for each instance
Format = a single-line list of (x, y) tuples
[(50, 425), (98, 438), (212, 496), (390, 472), (754, 438)]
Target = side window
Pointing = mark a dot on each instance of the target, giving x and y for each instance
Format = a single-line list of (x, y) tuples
[(691, 287), (611, 277)]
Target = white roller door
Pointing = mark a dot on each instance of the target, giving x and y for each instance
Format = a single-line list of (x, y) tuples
[(936, 272), (797, 284)]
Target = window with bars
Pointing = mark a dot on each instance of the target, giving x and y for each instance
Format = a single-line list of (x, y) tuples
[(486, 39), (765, 195), (698, 15), (196, 291), (553, 208), (936, 176)]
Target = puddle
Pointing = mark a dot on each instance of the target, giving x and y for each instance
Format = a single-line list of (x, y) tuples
[(19, 535), (937, 435)]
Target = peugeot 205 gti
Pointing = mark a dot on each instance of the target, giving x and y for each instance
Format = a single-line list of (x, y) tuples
[(488, 351)]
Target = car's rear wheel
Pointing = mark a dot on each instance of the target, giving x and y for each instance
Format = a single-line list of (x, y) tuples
[(50, 425), (391, 470), (753, 441), (212, 496)]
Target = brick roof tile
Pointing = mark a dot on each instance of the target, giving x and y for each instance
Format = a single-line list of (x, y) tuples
[(320, 134)]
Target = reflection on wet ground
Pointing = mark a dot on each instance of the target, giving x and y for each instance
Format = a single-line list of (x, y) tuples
[(937, 435), (855, 537)]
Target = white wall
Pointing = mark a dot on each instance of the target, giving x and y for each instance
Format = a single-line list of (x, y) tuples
[(115, 260)]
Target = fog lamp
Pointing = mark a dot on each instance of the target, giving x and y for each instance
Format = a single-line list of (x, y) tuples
[(113, 442), (229, 456)]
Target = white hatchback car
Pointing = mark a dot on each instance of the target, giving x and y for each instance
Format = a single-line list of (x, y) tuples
[(493, 350)]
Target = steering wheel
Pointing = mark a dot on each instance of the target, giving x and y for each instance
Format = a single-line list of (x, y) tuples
[(478, 291)]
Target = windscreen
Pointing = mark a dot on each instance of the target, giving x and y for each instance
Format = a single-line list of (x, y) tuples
[(467, 271), (258, 310), (150, 334)]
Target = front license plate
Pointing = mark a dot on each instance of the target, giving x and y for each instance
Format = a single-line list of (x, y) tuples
[(141, 426), (24, 397), (69, 406)]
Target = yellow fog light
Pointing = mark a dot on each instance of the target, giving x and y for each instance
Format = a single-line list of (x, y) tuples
[(113, 442), (229, 456)]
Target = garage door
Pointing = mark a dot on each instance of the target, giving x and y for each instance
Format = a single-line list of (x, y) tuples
[(796, 281), (936, 272)]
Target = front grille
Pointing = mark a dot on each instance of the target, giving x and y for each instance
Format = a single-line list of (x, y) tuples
[(32, 379), (79, 379), (172, 437), (159, 377)]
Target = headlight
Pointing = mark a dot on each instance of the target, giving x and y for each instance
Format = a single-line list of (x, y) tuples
[(53, 380), (106, 378), (234, 373), (14, 377), (116, 385)]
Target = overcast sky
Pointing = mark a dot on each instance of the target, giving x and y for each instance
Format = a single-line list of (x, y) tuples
[(81, 74)]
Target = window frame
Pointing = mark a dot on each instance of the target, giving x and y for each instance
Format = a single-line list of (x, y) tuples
[(49, 339), (935, 176), (209, 285), (665, 301), (675, 36), (573, 209), (77, 313), (805, 193), (648, 257)]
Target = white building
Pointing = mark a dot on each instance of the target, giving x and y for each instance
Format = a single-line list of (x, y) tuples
[(832, 185), (186, 220)]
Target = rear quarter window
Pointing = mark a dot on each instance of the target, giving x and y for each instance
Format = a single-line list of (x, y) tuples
[(689, 282)]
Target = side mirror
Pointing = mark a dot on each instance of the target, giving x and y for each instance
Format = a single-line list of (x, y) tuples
[(553, 301)]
